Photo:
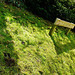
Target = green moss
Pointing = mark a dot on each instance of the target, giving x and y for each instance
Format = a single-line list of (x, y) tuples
[(26, 38)]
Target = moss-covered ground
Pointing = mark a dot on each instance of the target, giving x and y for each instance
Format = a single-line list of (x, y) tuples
[(26, 38)]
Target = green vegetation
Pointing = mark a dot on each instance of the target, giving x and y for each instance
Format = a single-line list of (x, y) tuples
[(26, 38), (51, 9), (48, 9)]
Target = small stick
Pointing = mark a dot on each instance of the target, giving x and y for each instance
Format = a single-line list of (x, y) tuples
[(68, 31)]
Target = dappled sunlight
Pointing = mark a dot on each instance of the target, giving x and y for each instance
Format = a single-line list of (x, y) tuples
[(32, 44), (8, 18), (26, 38)]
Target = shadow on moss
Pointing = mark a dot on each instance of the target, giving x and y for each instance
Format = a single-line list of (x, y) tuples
[(62, 42), (6, 46)]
